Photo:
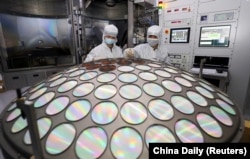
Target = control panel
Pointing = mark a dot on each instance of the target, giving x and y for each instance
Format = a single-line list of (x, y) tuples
[(179, 61)]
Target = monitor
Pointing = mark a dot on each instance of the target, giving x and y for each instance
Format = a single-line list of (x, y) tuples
[(214, 36), (179, 35)]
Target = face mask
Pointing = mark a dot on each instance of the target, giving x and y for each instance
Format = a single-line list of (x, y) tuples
[(109, 41), (152, 41)]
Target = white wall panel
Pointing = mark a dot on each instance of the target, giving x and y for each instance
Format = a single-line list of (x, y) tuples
[(219, 12), (240, 73)]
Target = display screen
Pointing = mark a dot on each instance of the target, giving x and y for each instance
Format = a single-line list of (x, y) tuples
[(179, 35), (215, 36)]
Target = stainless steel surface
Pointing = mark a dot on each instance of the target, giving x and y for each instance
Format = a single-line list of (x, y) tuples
[(32, 42), (35, 7), (98, 9), (48, 24), (42, 35)]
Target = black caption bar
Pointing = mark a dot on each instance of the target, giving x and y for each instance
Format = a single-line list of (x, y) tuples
[(198, 150)]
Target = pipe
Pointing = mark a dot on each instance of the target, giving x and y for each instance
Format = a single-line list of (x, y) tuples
[(84, 45), (201, 67), (71, 13), (130, 23), (28, 111)]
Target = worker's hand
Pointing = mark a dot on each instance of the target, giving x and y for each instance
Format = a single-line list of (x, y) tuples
[(129, 53)]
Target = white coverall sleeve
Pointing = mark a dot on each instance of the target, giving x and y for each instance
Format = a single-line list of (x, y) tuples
[(137, 50), (96, 54), (118, 52), (164, 55), (91, 55)]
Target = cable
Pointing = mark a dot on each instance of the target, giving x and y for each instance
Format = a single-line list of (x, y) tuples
[(227, 81)]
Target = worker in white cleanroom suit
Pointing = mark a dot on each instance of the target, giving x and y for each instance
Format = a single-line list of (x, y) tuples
[(108, 47), (152, 49)]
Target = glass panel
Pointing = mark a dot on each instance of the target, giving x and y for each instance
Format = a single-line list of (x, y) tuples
[(221, 92), (67, 86), (72, 70), (172, 67), (91, 143), (106, 77), (196, 98), (76, 73), (148, 76), (133, 112), (14, 114), (221, 116), (225, 99), (127, 77), (37, 87), (170, 70), (183, 81), (78, 110), (57, 105), (38, 93), (58, 82), (83, 89), (130, 91), (60, 139), (88, 76), (182, 104), (154, 65), (13, 106), (105, 91), (153, 89), (188, 132), (160, 109), (126, 68), (104, 113), (226, 107), (209, 125), (188, 73), (159, 134), (55, 77), (188, 77), (206, 86), (143, 67), (46, 98), (163, 73), (126, 143), (19, 125), (204, 92), (172, 86), (44, 125)]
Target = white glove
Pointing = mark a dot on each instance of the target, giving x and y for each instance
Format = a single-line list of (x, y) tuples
[(98, 58), (129, 53)]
